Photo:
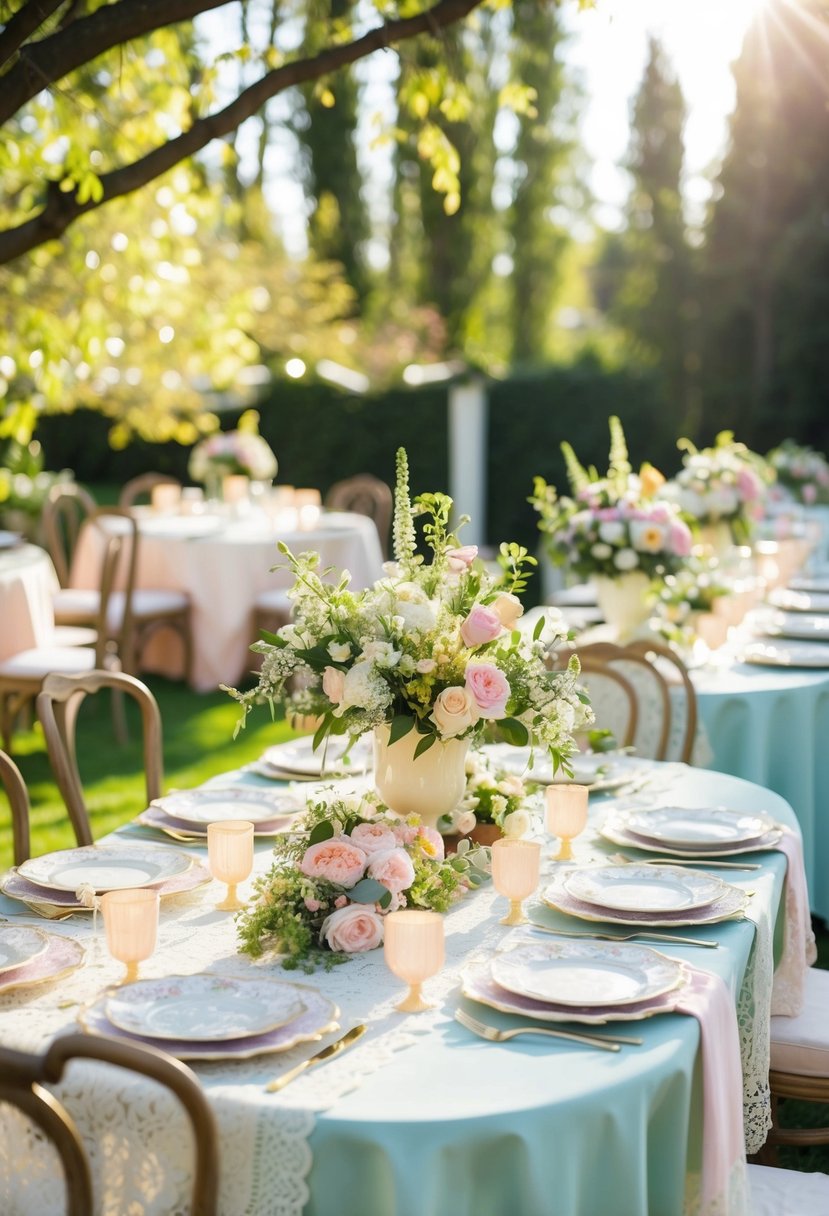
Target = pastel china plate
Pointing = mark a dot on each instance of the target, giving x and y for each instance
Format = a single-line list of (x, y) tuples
[(204, 806), (730, 903), (585, 974), (61, 956), (154, 817), (204, 1008), (818, 584), (599, 771), (298, 756), (20, 944), (697, 827), (616, 831), (799, 601), (13, 884), (808, 626), (105, 869), (787, 654), (632, 888), (319, 1016)]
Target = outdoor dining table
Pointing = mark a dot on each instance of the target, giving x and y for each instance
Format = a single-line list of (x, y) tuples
[(27, 583), (420, 1118)]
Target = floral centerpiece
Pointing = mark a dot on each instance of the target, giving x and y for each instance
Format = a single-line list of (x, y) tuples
[(494, 801), (242, 451), (802, 473), (349, 862), (684, 601), (428, 657), (721, 486)]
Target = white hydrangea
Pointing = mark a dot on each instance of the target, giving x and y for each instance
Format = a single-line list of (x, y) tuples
[(626, 559)]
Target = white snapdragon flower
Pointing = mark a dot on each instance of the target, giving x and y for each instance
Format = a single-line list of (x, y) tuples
[(626, 559)]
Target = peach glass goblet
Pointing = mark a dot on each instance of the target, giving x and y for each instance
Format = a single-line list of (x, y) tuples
[(131, 922), (414, 950), (230, 857), (516, 866), (565, 815)]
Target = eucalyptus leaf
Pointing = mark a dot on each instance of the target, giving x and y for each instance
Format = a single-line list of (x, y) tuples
[(370, 891)]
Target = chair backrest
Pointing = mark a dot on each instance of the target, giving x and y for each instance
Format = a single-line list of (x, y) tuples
[(683, 697), (15, 787), (58, 704), (612, 697), (142, 486), (116, 541), (66, 509), (367, 495), (22, 1080), (653, 723)]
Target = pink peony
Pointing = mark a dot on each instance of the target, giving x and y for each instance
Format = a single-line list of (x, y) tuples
[(333, 684), (404, 833), (461, 559), (482, 625), (680, 538), (435, 848), (337, 860), (489, 688), (352, 929), (373, 838), (393, 869)]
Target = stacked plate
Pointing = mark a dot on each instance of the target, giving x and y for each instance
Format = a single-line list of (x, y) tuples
[(59, 878), (816, 582), (593, 982), (808, 626), (598, 770), (644, 895), (692, 832), (29, 956), (787, 654), (186, 814), (213, 1017), (799, 601), (297, 760)]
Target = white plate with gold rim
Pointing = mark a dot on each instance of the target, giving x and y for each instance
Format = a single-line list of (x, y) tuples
[(105, 868), (19, 945), (730, 903), (632, 888), (204, 806), (597, 770), (697, 827), (332, 755), (805, 626), (786, 653), (585, 973), (203, 1008)]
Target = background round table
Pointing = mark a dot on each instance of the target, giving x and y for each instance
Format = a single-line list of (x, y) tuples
[(27, 584)]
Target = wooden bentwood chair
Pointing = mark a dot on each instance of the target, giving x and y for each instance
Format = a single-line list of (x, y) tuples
[(12, 780)]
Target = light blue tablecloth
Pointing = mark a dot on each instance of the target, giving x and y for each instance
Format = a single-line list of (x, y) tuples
[(771, 726)]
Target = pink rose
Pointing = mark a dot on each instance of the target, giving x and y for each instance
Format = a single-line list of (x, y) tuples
[(809, 493), (373, 838), (393, 869), (337, 860), (352, 929), (455, 710), (489, 688), (461, 559), (435, 848), (424, 666), (507, 607), (748, 484), (482, 625), (333, 684), (313, 905), (680, 538)]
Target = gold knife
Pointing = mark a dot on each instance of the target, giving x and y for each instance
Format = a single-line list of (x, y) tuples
[(327, 1053)]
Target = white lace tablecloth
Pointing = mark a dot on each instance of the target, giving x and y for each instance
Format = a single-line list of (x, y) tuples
[(140, 1148)]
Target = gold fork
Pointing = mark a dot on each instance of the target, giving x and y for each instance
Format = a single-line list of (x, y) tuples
[(494, 1035)]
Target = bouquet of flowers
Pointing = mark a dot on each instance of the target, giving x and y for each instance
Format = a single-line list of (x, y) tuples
[(611, 525), (241, 451), (722, 484), (492, 796), (801, 471), (432, 647), (350, 861), (682, 596)]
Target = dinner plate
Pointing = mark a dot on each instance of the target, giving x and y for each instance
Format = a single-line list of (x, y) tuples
[(319, 1016), (731, 903), (808, 626), (204, 806), (799, 601), (697, 827), (204, 1008), (176, 828), (787, 654), (585, 974), (598, 771), (9, 540), (181, 527), (821, 585), (615, 830), (108, 868), (478, 985), (632, 888), (20, 944), (62, 956), (298, 756), (17, 887)]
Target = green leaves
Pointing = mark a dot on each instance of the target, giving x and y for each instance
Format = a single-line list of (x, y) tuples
[(401, 724), (425, 743), (322, 831), (514, 732), (370, 891)]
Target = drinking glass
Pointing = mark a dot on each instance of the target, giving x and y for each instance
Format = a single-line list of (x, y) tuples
[(131, 922), (413, 946), (565, 815), (516, 866), (230, 856)]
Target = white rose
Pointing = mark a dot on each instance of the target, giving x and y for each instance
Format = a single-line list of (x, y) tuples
[(626, 559), (339, 651), (455, 710), (463, 822), (601, 551), (612, 531), (508, 608), (517, 823)]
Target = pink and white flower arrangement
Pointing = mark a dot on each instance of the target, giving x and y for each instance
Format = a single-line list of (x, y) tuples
[(242, 451), (612, 525), (493, 795), (432, 647), (349, 862), (726, 483), (802, 473)]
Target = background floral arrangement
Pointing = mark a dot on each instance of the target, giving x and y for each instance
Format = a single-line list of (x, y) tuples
[(350, 861), (726, 483), (682, 595), (24, 483), (431, 647), (611, 525), (241, 451), (801, 471)]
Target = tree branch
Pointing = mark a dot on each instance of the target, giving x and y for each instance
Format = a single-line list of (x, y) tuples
[(25, 21), (61, 209), (42, 63)]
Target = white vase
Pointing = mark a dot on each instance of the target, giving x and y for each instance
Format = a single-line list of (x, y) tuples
[(623, 602), (430, 786), (716, 538)]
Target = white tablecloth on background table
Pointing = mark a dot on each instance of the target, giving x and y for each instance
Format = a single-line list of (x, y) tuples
[(27, 584), (223, 571)]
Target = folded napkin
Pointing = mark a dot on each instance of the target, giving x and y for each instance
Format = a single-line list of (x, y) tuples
[(799, 949), (722, 1182)]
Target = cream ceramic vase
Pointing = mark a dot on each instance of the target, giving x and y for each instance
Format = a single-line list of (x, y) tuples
[(622, 602), (717, 538), (430, 786)]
